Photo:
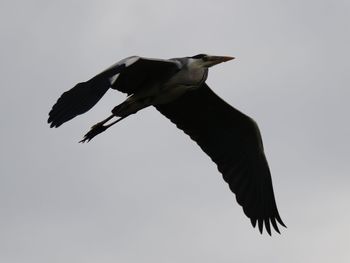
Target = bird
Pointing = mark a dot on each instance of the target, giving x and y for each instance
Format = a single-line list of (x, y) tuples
[(177, 88)]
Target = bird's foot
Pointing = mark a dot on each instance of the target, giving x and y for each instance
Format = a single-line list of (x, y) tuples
[(95, 130), (100, 127)]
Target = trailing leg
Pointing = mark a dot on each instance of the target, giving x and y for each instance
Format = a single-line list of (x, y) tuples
[(99, 127), (130, 106)]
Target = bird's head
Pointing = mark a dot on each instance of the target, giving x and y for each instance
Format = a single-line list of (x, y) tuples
[(204, 60)]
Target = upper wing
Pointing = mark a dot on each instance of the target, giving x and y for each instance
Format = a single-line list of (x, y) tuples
[(233, 141), (128, 75), (143, 72)]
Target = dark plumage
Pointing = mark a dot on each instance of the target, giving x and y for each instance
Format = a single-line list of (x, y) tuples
[(177, 89)]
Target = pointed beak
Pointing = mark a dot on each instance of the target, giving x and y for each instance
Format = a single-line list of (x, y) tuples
[(219, 59)]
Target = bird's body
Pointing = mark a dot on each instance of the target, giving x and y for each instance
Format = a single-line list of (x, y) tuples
[(176, 87), (188, 77)]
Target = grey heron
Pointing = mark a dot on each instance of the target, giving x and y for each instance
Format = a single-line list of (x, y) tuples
[(177, 89)]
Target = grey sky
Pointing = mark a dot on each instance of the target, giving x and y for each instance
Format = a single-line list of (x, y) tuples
[(143, 191)]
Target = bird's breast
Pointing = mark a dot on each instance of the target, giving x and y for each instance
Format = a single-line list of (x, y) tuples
[(183, 81)]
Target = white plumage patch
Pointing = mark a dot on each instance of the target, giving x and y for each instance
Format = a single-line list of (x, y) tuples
[(113, 79), (130, 60), (126, 61)]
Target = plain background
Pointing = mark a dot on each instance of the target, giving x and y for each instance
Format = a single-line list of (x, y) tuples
[(143, 191)]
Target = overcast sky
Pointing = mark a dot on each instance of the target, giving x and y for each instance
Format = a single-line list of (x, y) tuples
[(143, 191)]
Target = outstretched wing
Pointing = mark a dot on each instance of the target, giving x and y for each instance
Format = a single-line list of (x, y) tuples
[(128, 75), (233, 141)]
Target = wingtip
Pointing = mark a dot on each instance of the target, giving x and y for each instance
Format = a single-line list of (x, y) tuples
[(275, 226), (253, 222), (266, 224), (279, 220), (54, 124), (261, 225), (49, 119)]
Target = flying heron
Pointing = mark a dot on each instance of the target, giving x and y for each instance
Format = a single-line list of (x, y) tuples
[(176, 87)]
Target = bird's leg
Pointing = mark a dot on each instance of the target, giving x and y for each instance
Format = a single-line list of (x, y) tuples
[(102, 122), (126, 108), (99, 127)]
